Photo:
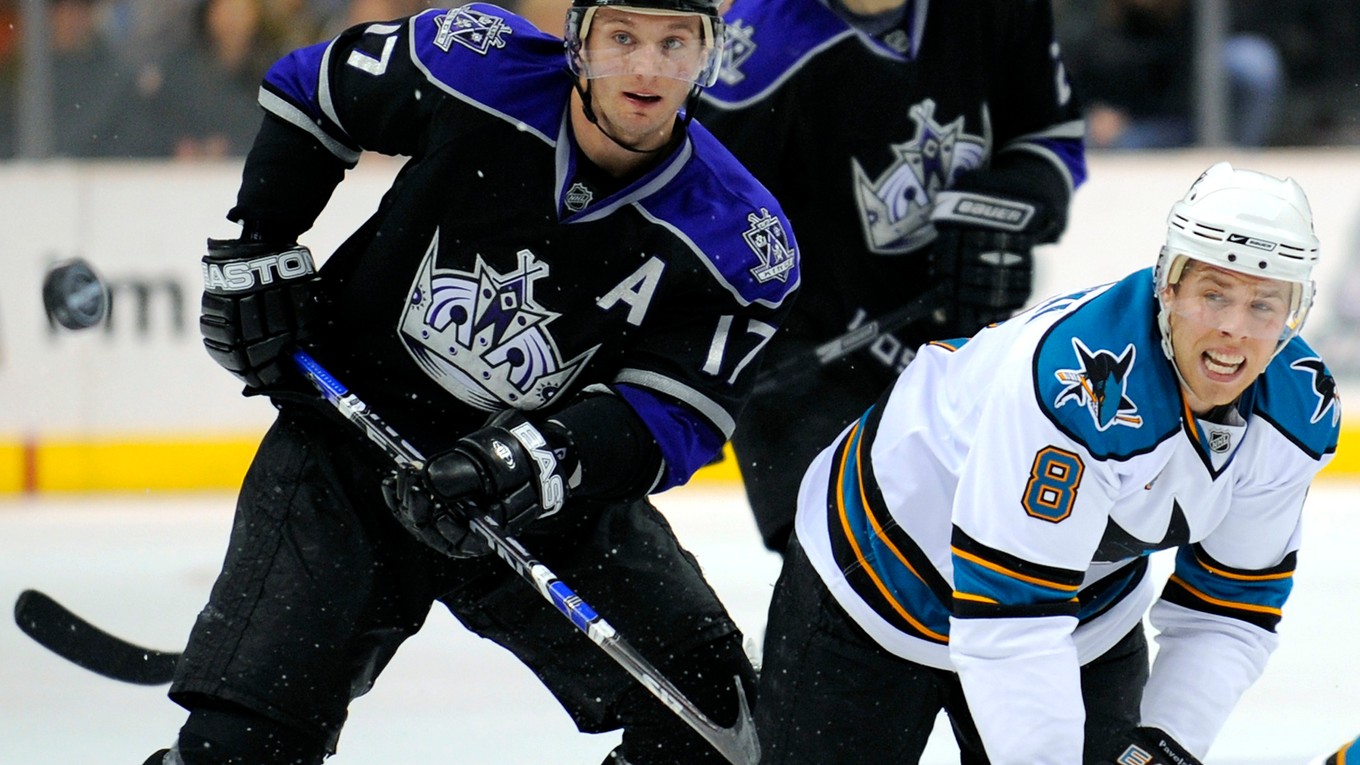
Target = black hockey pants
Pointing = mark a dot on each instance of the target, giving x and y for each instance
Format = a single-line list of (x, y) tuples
[(830, 695), (321, 585)]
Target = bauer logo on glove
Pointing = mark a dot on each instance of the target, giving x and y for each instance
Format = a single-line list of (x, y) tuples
[(965, 209)]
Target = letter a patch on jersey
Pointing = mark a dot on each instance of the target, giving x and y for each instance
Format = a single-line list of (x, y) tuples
[(1100, 383)]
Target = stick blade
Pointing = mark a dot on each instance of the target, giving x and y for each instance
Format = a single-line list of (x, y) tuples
[(58, 630)]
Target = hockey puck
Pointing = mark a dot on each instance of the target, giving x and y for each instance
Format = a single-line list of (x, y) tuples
[(74, 296)]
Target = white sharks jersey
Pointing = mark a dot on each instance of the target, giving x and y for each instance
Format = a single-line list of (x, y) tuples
[(993, 514)]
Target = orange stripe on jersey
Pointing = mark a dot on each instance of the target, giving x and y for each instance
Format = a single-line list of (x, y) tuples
[(1242, 577), (850, 439), (1012, 574), (1225, 603), (1189, 417)]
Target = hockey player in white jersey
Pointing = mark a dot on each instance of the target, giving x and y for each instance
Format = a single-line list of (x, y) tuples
[(1340, 756), (978, 541)]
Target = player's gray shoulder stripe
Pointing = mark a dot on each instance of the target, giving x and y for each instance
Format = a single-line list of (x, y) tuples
[(708, 262), (296, 117), (683, 393), (651, 187), (444, 86), (791, 71)]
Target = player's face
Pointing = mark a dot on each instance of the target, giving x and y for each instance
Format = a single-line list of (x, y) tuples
[(1224, 330), (641, 68)]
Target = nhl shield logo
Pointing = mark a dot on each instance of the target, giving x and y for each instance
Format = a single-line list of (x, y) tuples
[(475, 31), (767, 239), (579, 197), (1219, 441)]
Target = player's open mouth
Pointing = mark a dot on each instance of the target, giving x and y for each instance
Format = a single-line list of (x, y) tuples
[(643, 97), (1223, 363)]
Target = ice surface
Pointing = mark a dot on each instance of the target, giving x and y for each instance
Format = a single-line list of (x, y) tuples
[(141, 567)]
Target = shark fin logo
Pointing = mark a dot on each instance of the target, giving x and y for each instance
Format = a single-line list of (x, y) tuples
[(1324, 387), (894, 208), (482, 335), (1100, 384)]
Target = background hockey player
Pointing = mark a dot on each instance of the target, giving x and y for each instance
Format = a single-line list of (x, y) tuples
[(911, 144), (978, 540), (564, 260)]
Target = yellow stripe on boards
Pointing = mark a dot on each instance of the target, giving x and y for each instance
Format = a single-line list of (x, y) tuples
[(219, 461), (141, 465)]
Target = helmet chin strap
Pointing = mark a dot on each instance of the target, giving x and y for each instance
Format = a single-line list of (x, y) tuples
[(589, 110)]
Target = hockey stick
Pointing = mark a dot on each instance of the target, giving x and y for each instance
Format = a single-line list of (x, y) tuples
[(81, 643), (76, 640), (737, 743), (808, 361)]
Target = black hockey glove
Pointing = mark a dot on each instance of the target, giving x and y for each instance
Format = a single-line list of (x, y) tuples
[(984, 253), (509, 472), (259, 299), (1151, 746)]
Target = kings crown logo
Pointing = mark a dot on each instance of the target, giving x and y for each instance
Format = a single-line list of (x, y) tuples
[(895, 207), (476, 31), (483, 337)]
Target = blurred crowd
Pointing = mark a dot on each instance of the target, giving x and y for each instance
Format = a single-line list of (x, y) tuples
[(167, 78), (1288, 76), (179, 78)]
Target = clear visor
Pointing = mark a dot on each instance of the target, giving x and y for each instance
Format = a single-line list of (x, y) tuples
[(650, 43), (1260, 309)]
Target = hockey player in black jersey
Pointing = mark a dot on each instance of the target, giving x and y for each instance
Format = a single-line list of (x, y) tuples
[(567, 274), (926, 143)]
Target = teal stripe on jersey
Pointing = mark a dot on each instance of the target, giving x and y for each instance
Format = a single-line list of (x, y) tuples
[(1257, 596), (1005, 588), (879, 574)]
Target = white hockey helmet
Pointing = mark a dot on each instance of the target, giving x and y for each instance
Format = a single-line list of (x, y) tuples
[(1247, 222)]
